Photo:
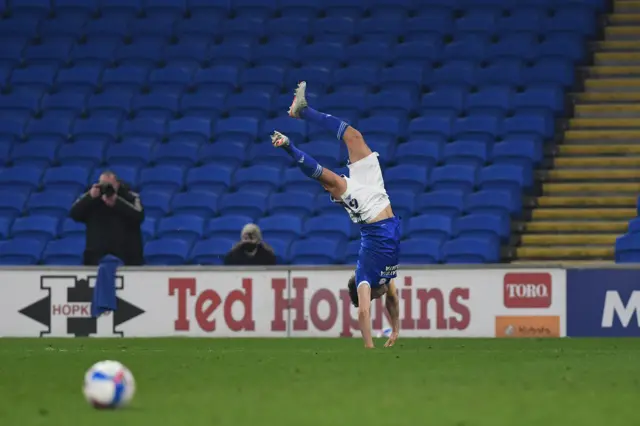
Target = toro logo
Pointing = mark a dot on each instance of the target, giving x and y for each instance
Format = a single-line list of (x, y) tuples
[(527, 290)]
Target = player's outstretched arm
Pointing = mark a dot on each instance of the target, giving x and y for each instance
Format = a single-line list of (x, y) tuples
[(393, 307), (364, 314)]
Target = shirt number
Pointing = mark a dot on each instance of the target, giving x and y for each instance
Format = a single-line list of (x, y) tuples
[(353, 204)]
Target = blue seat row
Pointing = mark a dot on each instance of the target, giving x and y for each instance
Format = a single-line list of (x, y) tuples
[(315, 250), (257, 103)]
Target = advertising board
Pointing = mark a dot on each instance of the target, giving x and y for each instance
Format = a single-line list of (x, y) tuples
[(285, 303)]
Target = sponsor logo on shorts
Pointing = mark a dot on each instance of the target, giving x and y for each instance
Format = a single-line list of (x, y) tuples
[(527, 290), (389, 271), (528, 326)]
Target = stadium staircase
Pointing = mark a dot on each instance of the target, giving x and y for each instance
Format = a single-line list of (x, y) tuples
[(590, 188)]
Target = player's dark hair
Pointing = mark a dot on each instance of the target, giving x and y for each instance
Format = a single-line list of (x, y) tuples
[(353, 291)]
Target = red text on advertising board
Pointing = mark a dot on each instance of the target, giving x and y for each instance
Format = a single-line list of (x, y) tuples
[(73, 310), (433, 298), (527, 290), (207, 303)]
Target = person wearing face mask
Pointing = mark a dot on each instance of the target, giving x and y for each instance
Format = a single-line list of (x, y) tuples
[(251, 250)]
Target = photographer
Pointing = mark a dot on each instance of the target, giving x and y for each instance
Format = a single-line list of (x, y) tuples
[(113, 215), (251, 250)]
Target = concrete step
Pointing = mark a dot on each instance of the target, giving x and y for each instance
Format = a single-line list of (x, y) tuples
[(601, 84), (621, 32), (626, 6), (588, 162), (578, 214), (565, 252), (604, 123), (610, 71), (584, 201), (603, 135), (556, 226), (602, 97), (618, 58), (582, 188), (621, 19), (598, 149), (556, 175), (568, 239), (607, 110)]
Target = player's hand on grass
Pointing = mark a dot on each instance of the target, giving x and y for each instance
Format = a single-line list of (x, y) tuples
[(392, 340)]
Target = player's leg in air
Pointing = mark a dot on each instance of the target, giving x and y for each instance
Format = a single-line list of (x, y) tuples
[(356, 145)]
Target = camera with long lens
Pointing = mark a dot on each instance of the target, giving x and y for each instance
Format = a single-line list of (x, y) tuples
[(107, 189)]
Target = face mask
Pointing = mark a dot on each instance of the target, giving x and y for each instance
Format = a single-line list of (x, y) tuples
[(249, 246)]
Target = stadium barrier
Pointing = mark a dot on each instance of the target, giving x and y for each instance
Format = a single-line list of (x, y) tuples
[(313, 302)]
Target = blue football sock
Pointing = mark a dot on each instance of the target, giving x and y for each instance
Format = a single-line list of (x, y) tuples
[(329, 122), (304, 161)]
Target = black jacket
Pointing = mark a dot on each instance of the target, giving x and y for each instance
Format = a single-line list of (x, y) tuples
[(111, 230), (238, 256)]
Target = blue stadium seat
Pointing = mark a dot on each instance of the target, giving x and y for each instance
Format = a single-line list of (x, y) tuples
[(146, 127), (351, 252), (454, 177), (136, 154), (21, 251), (471, 250), (502, 71), (166, 252), (100, 129), (238, 129), (403, 202), (181, 154), (42, 228), (506, 176), (53, 128), (83, 154), (281, 227), (260, 179), (295, 181), (181, 227), (334, 226), (484, 226), (161, 178), (202, 104), (155, 105), (519, 149), (156, 203), (466, 153), (20, 178), (221, 79), (316, 251), (35, 77), (406, 177), (291, 203), (446, 201), (211, 251), (197, 203), (37, 153), (66, 251), (111, 104), (71, 228), (170, 79), (495, 201), (148, 228), (12, 202), (264, 78), (65, 178), (431, 226), (190, 129), (281, 250), (421, 251), (50, 203), (228, 227), (228, 154), (209, 178), (249, 204)]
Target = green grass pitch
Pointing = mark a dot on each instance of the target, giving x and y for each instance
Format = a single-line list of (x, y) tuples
[(327, 382)]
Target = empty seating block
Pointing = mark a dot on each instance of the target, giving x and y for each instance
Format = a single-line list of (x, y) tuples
[(458, 104)]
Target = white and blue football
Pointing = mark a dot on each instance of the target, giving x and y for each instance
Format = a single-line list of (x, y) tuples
[(384, 333), (109, 385)]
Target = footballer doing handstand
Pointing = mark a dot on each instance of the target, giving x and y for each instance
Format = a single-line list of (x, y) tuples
[(364, 197)]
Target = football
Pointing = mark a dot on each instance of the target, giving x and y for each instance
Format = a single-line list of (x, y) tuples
[(384, 333), (108, 385)]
